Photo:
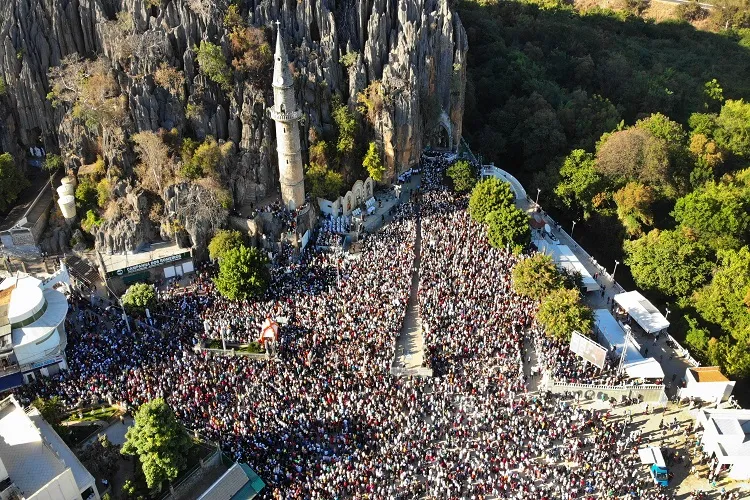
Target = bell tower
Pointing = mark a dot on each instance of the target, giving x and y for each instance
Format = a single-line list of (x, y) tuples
[(286, 115)]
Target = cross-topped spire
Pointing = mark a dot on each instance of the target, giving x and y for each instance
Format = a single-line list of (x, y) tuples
[(282, 76)]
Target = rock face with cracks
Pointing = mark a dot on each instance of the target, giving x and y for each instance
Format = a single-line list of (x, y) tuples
[(416, 48)]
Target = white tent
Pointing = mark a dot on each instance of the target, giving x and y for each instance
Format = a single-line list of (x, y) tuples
[(642, 311), (564, 257), (651, 455), (611, 334)]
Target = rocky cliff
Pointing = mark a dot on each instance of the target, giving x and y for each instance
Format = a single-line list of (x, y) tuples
[(416, 48)]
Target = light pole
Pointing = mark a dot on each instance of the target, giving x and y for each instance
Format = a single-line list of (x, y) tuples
[(538, 190), (573, 228), (615, 269)]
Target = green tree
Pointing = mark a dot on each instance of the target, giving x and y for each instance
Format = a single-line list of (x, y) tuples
[(697, 338), (214, 65), (725, 301), (12, 181), (562, 312), (222, 241), (717, 213), (634, 154), (91, 221), (51, 164), (243, 273), (579, 182), (703, 123), (373, 163), (536, 276), (668, 262), (322, 182), (86, 194), (159, 441), (53, 409), (634, 201), (205, 159), (138, 297), (463, 176), (733, 127), (346, 126), (101, 457), (489, 195), (508, 225)]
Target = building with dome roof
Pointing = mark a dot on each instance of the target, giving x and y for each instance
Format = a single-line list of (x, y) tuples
[(32, 328)]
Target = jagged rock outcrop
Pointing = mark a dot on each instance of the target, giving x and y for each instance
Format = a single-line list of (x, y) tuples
[(416, 48)]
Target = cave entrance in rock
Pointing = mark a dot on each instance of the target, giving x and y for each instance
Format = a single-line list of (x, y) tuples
[(444, 133)]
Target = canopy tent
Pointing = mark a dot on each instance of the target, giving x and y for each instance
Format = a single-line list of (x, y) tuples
[(651, 455), (642, 311), (564, 257), (645, 368), (612, 335)]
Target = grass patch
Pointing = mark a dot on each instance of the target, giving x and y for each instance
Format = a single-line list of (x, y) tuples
[(104, 413), (252, 347)]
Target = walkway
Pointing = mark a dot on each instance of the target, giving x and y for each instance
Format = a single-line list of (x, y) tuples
[(530, 361), (409, 354)]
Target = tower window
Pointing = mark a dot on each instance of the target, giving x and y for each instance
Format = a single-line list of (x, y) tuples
[(287, 162), (284, 129)]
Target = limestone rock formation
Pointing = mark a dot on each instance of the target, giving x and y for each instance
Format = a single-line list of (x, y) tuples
[(416, 48)]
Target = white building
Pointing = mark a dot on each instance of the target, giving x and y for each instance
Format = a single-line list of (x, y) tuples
[(287, 115), (32, 329), (706, 383), (35, 463), (726, 437)]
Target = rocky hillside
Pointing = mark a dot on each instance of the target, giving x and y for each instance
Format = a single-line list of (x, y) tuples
[(416, 48)]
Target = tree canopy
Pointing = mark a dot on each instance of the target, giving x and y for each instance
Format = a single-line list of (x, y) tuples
[(373, 163), (224, 240), (243, 273), (579, 182), (463, 176), (159, 441), (536, 276), (138, 297), (562, 312), (12, 181), (213, 64), (489, 195), (508, 225), (668, 262)]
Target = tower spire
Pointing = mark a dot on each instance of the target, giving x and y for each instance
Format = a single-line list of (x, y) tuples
[(282, 75)]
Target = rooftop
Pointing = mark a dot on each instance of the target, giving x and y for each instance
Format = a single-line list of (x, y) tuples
[(708, 374), (237, 483), (157, 251), (30, 462), (57, 308)]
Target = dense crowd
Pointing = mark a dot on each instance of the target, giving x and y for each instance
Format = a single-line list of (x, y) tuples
[(326, 420)]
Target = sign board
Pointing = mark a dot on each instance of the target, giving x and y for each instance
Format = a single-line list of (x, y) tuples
[(588, 349), (144, 266)]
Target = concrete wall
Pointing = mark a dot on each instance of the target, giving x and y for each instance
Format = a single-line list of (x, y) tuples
[(649, 393), (707, 391)]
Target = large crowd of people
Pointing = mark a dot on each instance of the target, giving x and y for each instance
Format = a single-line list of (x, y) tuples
[(326, 419)]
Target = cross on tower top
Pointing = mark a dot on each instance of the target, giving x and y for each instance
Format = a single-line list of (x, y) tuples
[(278, 23)]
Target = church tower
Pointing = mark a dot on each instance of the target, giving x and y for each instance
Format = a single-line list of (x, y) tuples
[(286, 115)]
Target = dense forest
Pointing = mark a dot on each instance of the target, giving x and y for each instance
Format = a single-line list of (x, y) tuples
[(638, 131)]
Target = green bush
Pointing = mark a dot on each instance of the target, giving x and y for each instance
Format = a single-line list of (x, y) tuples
[(487, 196), (463, 176), (138, 297), (213, 64)]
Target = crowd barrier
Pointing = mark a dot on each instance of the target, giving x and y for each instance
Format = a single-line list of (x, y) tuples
[(647, 393)]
